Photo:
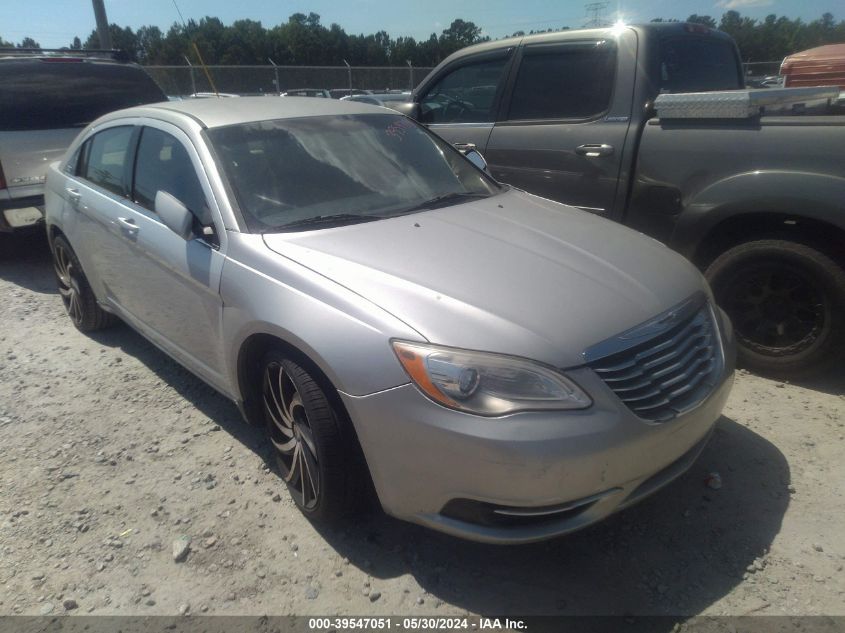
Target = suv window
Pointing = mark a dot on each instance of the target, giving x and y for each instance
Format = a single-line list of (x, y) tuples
[(465, 95), (573, 81), (42, 94), (107, 158), (698, 64), (163, 164)]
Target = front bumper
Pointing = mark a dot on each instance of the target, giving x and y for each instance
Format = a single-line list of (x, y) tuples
[(453, 472), (19, 214)]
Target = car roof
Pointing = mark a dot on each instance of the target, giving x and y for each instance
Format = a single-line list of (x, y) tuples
[(219, 112)]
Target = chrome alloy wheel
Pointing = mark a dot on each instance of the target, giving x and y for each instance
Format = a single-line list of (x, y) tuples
[(69, 287), (291, 435)]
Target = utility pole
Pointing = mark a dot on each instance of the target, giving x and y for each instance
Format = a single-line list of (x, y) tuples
[(102, 25), (349, 70), (595, 14)]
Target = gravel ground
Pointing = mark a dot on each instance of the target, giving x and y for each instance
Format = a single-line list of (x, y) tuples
[(113, 457)]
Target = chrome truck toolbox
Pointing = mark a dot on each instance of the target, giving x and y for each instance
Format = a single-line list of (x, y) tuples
[(743, 104)]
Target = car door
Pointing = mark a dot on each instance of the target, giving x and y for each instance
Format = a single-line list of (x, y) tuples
[(96, 196), (176, 282), (563, 127), (460, 104)]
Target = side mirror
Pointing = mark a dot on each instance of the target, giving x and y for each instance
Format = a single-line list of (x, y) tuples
[(475, 157), (174, 214), (408, 108)]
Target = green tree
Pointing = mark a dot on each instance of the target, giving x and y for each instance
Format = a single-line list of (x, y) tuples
[(706, 20), (28, 42)]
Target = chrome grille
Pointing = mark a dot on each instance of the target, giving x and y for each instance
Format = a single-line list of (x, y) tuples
[(669, 372)]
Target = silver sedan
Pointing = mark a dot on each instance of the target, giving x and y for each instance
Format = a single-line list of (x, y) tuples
[(500, 367)]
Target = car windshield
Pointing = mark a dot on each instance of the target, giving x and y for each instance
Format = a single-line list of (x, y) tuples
[(292, 174)]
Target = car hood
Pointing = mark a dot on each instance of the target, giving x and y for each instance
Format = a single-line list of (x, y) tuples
[(512, 273)]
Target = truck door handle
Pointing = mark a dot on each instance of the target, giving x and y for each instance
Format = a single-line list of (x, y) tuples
[(127, 226), (463, 148), (73, 195), (594, 150)]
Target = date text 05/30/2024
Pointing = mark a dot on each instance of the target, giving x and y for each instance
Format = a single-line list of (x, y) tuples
[(415, 624)]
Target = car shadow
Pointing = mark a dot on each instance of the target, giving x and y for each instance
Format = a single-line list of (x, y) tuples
[(831, 382), (675, 553), (25, 260)]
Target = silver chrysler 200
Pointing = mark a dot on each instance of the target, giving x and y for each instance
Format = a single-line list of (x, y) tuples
[(500, 367)]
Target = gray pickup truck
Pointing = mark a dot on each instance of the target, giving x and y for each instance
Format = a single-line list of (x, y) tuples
[(757, 201)]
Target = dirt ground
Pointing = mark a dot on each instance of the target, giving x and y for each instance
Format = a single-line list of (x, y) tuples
[(111, 452)]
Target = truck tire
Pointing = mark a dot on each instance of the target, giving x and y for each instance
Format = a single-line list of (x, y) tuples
[(786, 300)]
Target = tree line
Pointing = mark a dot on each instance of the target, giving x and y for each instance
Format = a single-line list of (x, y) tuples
[(303, 40)]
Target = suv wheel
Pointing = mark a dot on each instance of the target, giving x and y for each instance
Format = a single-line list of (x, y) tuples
[(787, 304), (80, 302)]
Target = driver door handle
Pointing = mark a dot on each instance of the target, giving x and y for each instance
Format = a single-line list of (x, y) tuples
[(594, 150), (464, 147), (127, 226)]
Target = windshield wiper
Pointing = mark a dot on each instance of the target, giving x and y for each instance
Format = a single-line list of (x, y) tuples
[(337, 219), (443, 200)]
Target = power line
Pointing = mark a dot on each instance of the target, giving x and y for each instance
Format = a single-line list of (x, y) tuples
[(595, 14)]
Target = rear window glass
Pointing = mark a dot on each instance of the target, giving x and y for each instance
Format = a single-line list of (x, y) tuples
[(698, 64), (566, 82), (43, 95), (108, 158)]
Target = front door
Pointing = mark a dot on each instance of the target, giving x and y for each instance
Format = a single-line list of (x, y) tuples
[(176, 282), (461, 104)]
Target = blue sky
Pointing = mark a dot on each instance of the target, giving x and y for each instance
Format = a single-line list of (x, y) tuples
[(55, 22)]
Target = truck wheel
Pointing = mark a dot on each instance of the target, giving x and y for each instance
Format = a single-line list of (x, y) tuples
[(77, 296), (787, 304)]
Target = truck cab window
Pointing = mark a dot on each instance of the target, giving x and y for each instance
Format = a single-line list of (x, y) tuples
[(465, 95), (564, 82)]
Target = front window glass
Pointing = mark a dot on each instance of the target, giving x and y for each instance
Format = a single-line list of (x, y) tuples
[(466, 95), (163, 164), (296, 174)]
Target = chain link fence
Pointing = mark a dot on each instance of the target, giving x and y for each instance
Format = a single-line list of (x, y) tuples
[(257, 80)]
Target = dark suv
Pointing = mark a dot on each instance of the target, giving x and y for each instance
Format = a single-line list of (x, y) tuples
[(46, 98)]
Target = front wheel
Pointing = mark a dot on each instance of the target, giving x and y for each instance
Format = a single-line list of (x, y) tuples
[(313, 447), (787, 304)]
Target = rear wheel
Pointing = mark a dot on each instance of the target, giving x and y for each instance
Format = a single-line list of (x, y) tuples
[(313, 448), (787, 304), (77, 296)]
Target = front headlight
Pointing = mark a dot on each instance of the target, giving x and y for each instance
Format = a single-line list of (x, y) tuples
[(487, 384)]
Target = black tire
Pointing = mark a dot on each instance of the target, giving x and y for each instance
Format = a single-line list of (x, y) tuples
[(321, 433), (79, 300), (786, 300)]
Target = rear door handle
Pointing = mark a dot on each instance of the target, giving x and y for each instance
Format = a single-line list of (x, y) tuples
[(127, 226), (464, 147), (594, 150)]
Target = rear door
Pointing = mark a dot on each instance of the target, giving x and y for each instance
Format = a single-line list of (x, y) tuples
[(564, 122), (96, 198), (460, 105)]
